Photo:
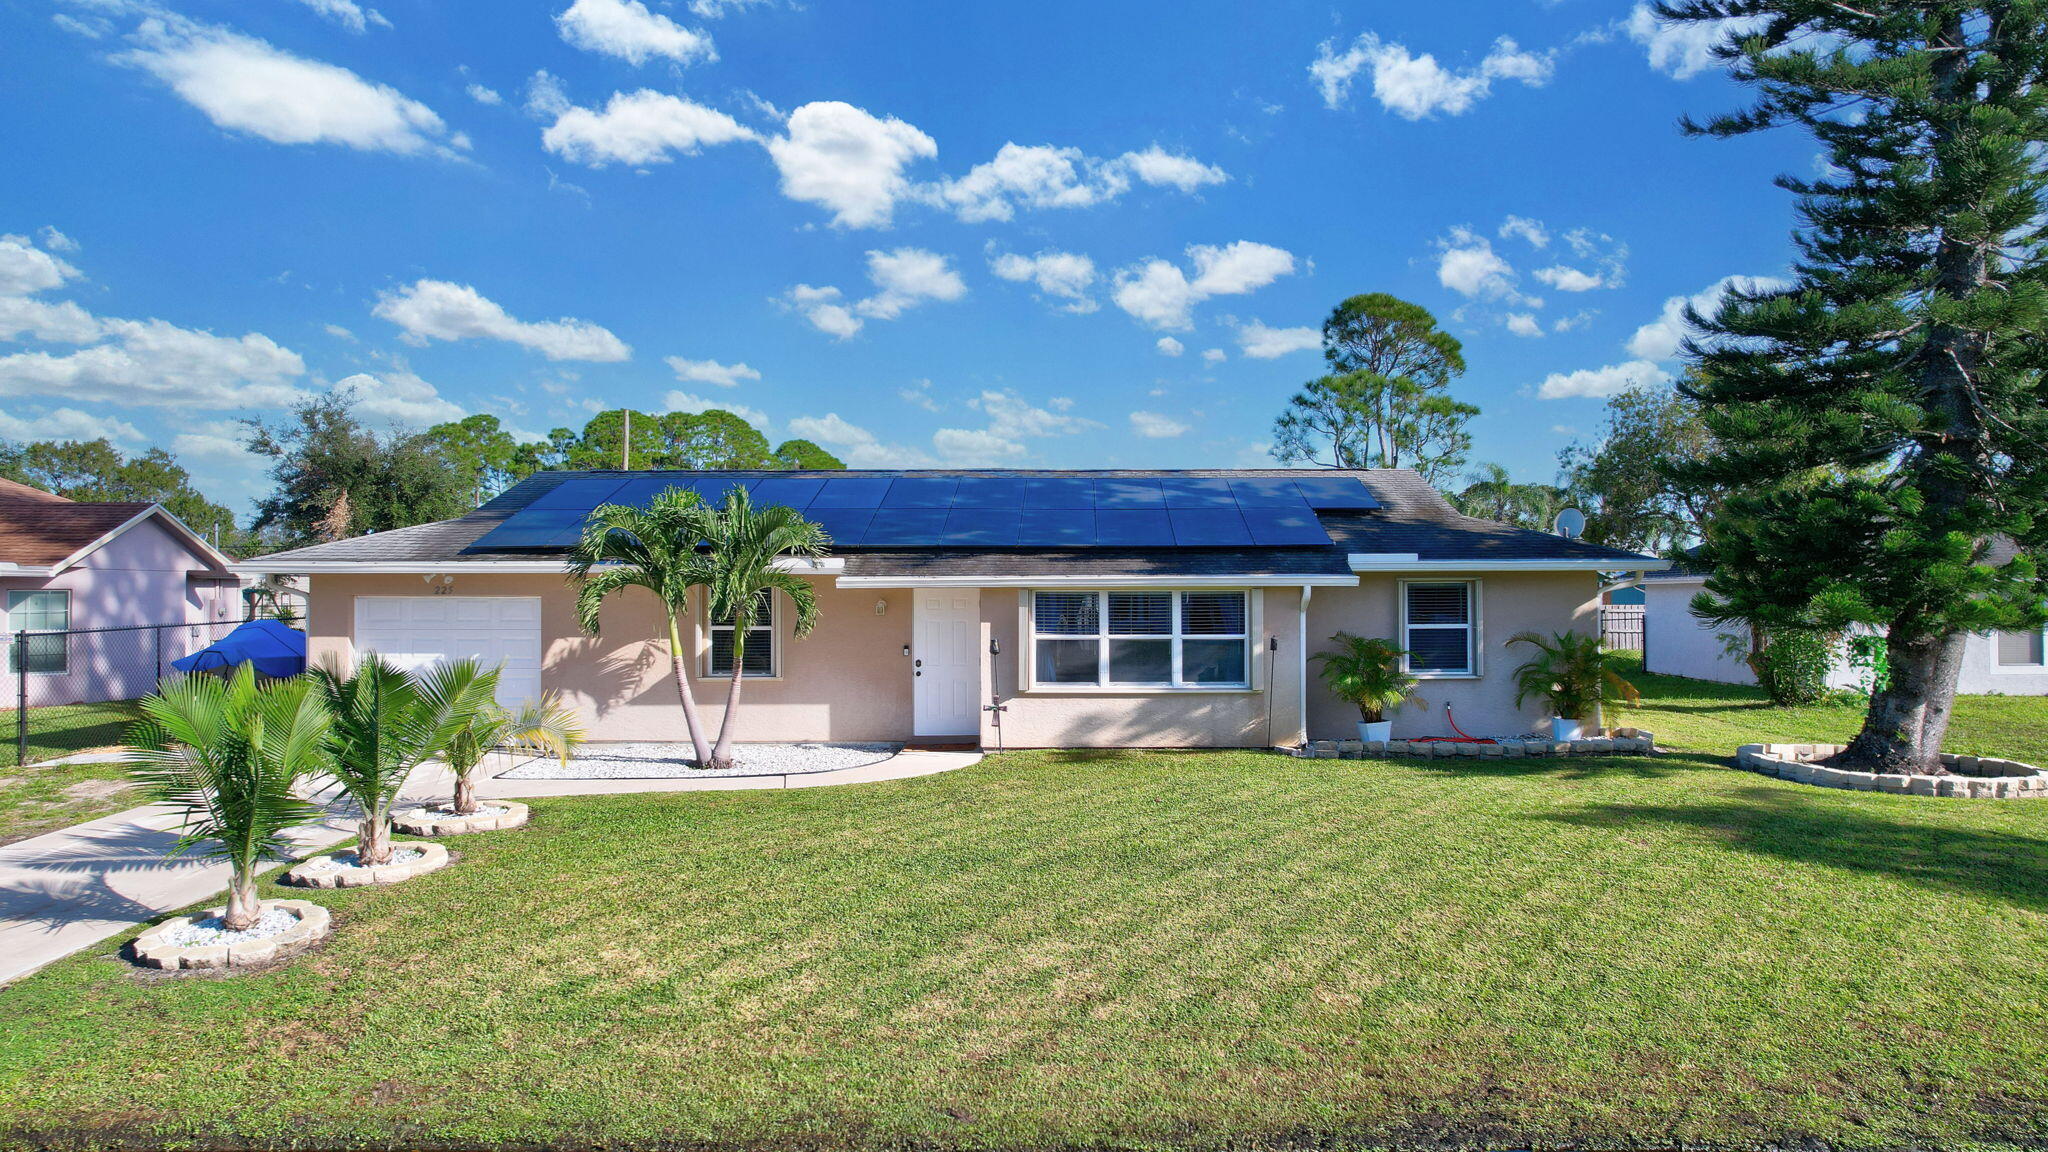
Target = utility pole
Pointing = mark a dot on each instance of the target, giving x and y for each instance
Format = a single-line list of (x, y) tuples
[(626, 444)]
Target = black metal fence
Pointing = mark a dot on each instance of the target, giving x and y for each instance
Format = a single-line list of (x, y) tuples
[(1621, 626), (74, 691)]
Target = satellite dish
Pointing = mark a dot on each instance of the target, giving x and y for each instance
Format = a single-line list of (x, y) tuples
[(1570, 523)]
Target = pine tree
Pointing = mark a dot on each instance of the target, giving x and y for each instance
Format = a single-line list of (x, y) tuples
[(1880, 422)]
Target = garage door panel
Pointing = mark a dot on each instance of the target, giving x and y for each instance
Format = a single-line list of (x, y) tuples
[(420, 632)]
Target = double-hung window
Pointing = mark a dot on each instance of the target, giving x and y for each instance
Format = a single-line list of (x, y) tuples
[(1141, 639), (1439, 627), (2022, 649), (759, 658), (41, 611)]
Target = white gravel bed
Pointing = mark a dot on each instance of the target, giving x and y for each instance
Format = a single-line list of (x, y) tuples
[(673, 761), (349, 859), (211, 931)]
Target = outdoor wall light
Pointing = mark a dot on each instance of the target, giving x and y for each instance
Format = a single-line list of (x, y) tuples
[(881, 607), (906, 649)]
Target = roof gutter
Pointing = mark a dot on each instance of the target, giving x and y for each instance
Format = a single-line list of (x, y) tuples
[(1412, 562), (262, 567), (1235, 580)]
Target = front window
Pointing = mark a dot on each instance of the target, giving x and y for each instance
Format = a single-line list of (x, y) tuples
[(39, 612), (759, 658), (1142, 639), (2022, 649), (1438, 628)]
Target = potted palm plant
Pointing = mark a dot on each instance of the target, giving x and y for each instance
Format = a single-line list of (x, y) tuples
[(481, 726), (1366, 672), (231, 753), (1576, 674)]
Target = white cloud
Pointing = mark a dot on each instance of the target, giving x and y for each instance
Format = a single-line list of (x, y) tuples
[(920, 394), (714, 9), (968, 446), (1469, 266), (1158, 167), (399, 395), (1524, 324), (1262, 343), (151, 362), (903, 278), (845, 160), (25, 269), (1214, 355), (1660, 338), (54, 240), (628, 30), (443, 310), (859, 447), (1045, 176), (1684, 50), (340, 333), (348, 14), (221, 441), (62, 322), (1062, 275), (546, 99), (1161, 295), (644, 127), (1568, 279), (1154, 426), (821, 306), (1532, 231), (483, 95), (64, 424), (1600, 382), (678, 401), (1011, 416), (711, 372), (1168, 346), (245, 85), (1417, 87)]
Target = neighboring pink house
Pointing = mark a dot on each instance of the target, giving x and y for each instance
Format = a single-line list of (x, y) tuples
[(111, 574)]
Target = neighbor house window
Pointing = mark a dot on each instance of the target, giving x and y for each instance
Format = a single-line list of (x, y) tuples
[(39, 612), (1141, 639), (760, 657), (2027, 649), (1439, 627)]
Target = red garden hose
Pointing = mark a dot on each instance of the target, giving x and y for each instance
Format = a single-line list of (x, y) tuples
[(1460, 738)]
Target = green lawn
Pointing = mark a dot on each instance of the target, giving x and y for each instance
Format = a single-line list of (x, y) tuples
[(38, 797), (1131, 950)]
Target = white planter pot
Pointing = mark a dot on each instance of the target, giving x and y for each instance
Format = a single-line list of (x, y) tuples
[(1380, 730), (1563, 729)]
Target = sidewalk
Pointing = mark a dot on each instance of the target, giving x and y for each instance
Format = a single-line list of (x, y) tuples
[(64, 891)]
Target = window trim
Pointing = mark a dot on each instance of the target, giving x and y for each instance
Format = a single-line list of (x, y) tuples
[(774, 630), (17, 662), (1028, 627), (1474, 627), (2000, 668)]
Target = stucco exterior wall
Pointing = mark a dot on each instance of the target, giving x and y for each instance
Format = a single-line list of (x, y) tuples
[(1981, 675), (1484, 705)]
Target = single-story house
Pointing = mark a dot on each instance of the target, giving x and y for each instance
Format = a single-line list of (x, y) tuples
[(1030, 608), (1677, 643), (133, 586)]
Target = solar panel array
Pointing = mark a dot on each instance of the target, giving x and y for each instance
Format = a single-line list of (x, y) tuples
[(870, 511)]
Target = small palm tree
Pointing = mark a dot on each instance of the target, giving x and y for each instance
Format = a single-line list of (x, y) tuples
[(745, 542), (487, 724), (1574, 671), (231, 752), (1365, 672), (657, 548), (386, 724)]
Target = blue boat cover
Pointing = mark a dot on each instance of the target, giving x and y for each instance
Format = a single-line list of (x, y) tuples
[(275, 648)]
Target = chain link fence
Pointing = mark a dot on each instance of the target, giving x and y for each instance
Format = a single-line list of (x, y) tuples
[(74, 691)]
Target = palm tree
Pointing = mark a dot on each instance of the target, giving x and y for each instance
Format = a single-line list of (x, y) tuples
[(231, 752), (1366, 673), (485, 724), (745, 542), (386, 723), (1575, 672), (656, 548)]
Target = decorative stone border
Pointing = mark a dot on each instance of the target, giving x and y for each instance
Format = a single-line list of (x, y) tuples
[(306, 875), (152, 951), (1980, 778), (1620, 741), (424, 821)]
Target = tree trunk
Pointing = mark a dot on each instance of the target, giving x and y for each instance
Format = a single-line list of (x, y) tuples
[(244, 909), (374, 839), (721, 756), (1907, 721), (690, 719), (465, 794)]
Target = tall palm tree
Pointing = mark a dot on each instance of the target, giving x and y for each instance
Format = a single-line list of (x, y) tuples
[(485, 724), (387, 723), (231, 752), (745, 543), (657, 548)]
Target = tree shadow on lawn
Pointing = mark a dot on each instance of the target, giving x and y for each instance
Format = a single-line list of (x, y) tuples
[(1834, 831), (1624, 766)]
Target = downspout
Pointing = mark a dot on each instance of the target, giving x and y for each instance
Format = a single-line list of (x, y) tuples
[(1308, 591)]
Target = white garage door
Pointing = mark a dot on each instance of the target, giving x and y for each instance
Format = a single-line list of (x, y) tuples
[(416, 632)]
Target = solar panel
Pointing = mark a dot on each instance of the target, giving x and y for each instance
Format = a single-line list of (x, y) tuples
[(852, 492), (988, 527), (714, 488), (641, 493), (920, 492), (534, 528), (1059, 492), (789, 491), (1056, 527), (989, 492), (906, 528), (1127, 494), (1275, 527), (580, 494), (1266, 492), (1197, 492), (845, 526), (1133, 529), (1334, 492), (1208, 527)]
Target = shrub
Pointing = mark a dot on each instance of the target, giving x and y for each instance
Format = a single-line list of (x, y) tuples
[(1794, 664)]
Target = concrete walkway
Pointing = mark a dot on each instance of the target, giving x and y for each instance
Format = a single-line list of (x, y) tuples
[(64, 891)]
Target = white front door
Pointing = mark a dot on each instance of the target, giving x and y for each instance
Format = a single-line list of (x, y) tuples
[(419, 632), (946, 664)]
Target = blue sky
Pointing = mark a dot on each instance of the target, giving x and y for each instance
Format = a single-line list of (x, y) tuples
[(1061, 234)]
